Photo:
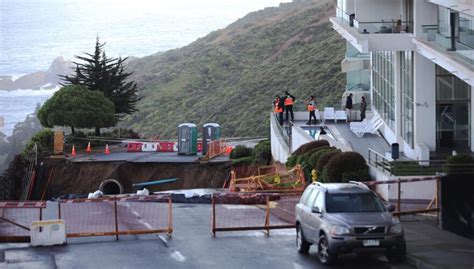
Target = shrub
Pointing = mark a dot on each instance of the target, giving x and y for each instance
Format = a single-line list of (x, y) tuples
[(243, 161), (343, 165), (311, 145), (241, 151), (324, 159), (44, 140), (263, 152), (459, 164), (313, 160), (291, 161)]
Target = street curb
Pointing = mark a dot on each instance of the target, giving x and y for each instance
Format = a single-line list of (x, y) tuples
[(419, 263)]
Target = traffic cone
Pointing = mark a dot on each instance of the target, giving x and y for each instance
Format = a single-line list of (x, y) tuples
[(88, 149), (107, 150), (73, 152)]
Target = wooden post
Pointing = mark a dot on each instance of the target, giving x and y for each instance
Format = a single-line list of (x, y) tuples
[(116, 221), (170, 217), (267, 216), (399, 208), (213, 231)]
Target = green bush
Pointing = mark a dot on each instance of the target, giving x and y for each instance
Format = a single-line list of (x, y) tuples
[(356, 175), (241, 151), (44, 140), (291, 161), (324, 159), (459, 164), (313, 160), (263, 152), (243, 161), (344, 165), (311, 145)]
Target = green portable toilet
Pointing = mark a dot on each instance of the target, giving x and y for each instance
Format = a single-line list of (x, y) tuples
[(210, 132), (187, 139)]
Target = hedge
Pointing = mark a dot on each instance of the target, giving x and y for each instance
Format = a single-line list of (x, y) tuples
[(311, 145), (344, 167), (241, 151), (324, 159), (263, 152)]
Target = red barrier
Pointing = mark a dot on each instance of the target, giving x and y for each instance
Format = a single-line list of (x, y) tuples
[(134, 147), (166, 146)]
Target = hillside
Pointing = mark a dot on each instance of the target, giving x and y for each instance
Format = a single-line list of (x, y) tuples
[(231, 75)]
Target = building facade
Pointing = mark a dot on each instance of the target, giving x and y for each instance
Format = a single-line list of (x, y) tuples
[(421, 69)]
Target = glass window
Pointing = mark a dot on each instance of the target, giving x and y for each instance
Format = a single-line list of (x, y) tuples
[(311, 198), (406, 83), (319, 201), (383, 85), (353, 202), (466, 30), (305, 195)]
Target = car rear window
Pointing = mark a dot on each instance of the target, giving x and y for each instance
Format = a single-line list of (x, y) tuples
[(353, 202)]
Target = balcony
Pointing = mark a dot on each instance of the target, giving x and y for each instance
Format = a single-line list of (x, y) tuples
[(463, 6), (439, 49), (371, 36)]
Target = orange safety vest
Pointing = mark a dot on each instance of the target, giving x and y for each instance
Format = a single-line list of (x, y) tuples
[(277, 108), (311, 108), (288, 101)]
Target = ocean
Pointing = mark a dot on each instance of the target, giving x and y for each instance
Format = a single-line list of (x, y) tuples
[(35, 32)]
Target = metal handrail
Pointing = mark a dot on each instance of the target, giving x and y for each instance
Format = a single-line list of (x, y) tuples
[(416, 167)]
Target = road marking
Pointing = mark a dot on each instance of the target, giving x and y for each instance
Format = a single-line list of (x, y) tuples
[(178, 256), (144, 223)]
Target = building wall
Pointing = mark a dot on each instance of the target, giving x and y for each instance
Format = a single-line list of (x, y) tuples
[(425, 101)]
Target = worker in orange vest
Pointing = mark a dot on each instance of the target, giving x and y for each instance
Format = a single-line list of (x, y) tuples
[(289, 100), (278, 108), (311, 106)]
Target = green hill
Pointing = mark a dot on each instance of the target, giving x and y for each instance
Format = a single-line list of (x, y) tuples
[(231, 75)]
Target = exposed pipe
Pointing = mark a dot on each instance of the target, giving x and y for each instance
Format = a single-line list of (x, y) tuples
[(110, 187)]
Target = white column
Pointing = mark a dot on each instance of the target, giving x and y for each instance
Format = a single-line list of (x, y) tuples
[(425, 102)]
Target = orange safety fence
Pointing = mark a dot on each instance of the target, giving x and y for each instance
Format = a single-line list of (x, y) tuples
[(16, 218), (216, 148), (411, 196), (266, 212), (117, 216), (277, 181)]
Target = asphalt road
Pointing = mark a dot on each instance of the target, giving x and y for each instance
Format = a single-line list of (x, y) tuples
[(142, 157), (191, 246)]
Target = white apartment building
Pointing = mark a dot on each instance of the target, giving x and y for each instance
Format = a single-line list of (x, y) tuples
[(422, 69)]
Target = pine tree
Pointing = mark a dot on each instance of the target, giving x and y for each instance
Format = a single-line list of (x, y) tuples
[(97, 72)]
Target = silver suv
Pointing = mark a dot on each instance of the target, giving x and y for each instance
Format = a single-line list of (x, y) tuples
[(346, 217)]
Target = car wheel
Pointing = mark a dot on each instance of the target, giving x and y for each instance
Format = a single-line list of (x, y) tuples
[(396, 255), (301, 244), (325, 257)]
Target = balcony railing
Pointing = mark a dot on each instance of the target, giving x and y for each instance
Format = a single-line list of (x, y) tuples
[(461, 52), (376, 27)]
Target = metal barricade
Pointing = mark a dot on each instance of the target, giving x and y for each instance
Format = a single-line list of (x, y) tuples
[(255, 211), (16, 218), (411, 195), (117, 216)]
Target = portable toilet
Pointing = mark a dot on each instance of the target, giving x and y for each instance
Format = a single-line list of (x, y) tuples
[(187, 139), (210, 132)]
